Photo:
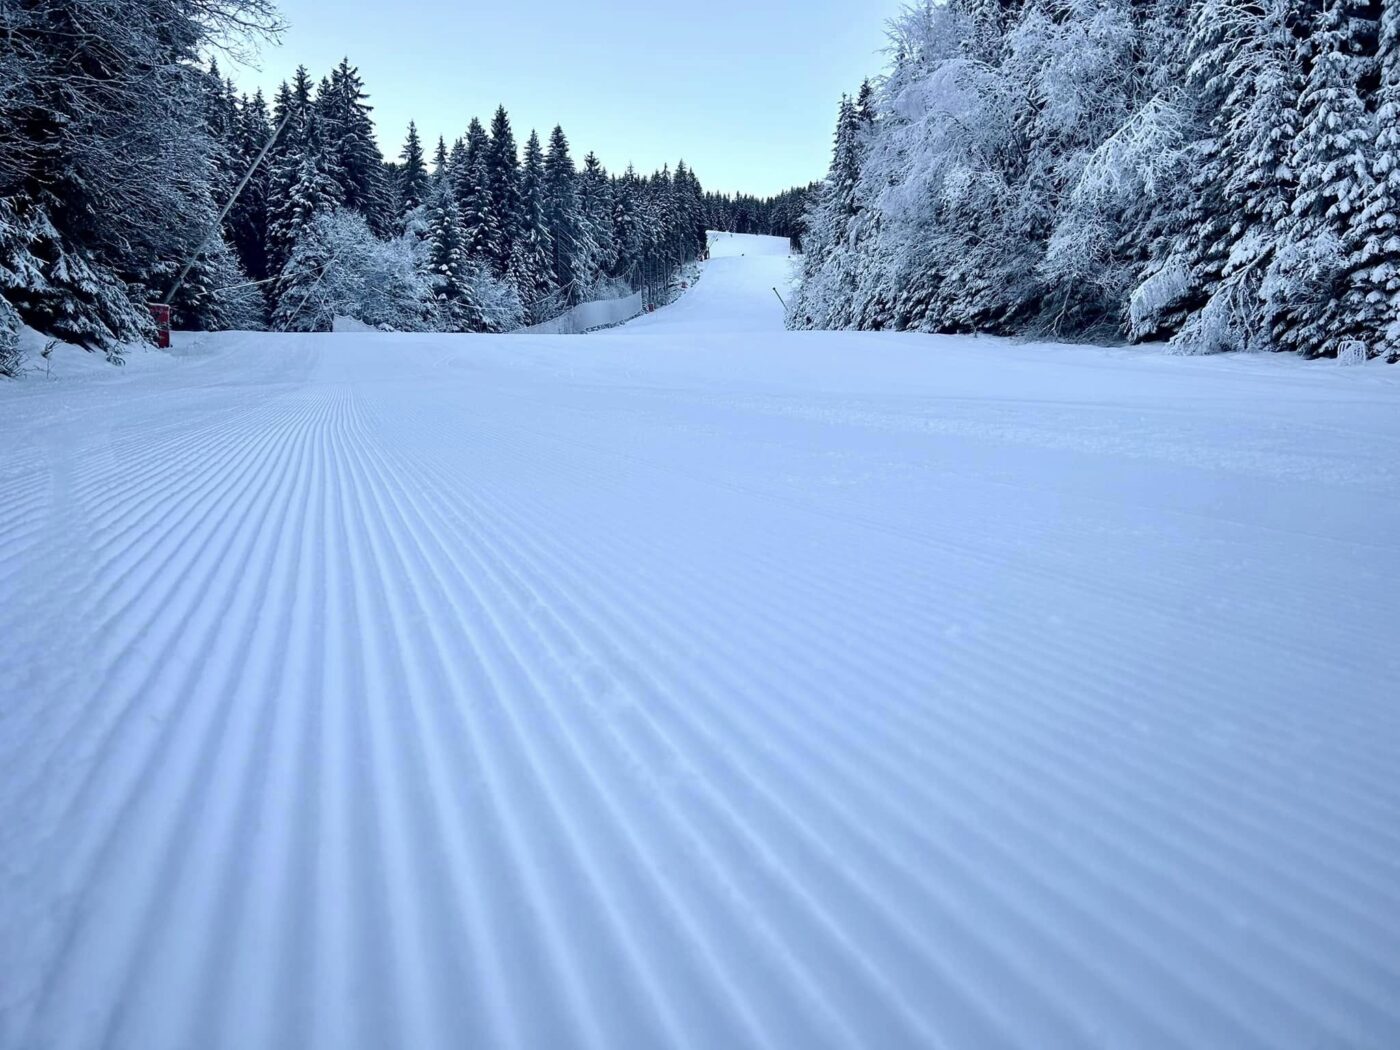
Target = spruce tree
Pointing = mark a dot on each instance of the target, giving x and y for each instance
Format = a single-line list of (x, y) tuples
[(690, 212), (247, 222), (309, 190), (1333, 180), (1373, 294), (567, 243), (58, 287), (627, 231), (531, 267), (290, 119), (596, 208), (448, 268), (348, 129), (503, 189), (414, 181), (301, 89), (440, 172), (473, 194), (865, 104), (220, 112), (825, 296), (457, 168), (305, 184)]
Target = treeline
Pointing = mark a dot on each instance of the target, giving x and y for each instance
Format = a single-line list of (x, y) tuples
[(1220, 174), (778, 216), (480, 237), (118, 148), (106, 168)]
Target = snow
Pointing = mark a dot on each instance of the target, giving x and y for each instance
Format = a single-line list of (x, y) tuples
[(699, 684), (340, 323), (735, 294)]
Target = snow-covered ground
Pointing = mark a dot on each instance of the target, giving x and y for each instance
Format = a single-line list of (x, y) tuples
[(699, 684)]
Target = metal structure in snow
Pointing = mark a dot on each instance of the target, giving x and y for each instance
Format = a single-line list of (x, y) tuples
[(218, 223)]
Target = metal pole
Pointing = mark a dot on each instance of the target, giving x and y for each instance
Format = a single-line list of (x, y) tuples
[(243, 284), (780, 298), (219, 222)]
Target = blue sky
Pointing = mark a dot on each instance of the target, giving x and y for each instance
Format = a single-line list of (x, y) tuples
[(746, 92)]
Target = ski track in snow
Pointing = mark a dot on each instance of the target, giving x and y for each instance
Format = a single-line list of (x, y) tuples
[(699, 684)]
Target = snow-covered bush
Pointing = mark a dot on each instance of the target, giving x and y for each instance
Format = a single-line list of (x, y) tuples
[(339, 268), (415, 282), (1352, 352), (498, 306)]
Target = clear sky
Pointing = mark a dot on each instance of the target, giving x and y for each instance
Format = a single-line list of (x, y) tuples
[(745, 92)]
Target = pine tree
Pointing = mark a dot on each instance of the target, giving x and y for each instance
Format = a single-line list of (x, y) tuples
[(309, 190), (689, 198), (865, 104), (220, 113), (596, 208), (1373, 294), (287, 117), (531, 266), (440, 172), (1196, 234), (292, 106), (457, 168), (10, 358), (626, 225), (473, 193), (414, 182), (503, 189), (1255, 70), (215, 294), (448, 268), (825, 299), (301, 89), (247, 222), (569, 248), (61, 289), (348, 131), (1333, 181), (305, 184)]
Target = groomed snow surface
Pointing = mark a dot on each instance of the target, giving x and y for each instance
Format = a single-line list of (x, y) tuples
[(699, 684)]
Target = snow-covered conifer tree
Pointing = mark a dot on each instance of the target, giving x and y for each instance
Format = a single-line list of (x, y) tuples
[(503, 188), (347, 129), (447, 264), (596, 212), (413, 175), (568, 244), (1372, 300), (1308, 274), (473, 193), (532, 260)]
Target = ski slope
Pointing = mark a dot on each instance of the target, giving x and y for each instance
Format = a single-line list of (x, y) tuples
[(699, 684), (739, 293)]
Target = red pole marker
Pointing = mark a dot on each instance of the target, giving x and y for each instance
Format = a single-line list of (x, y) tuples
[(160, 314)]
